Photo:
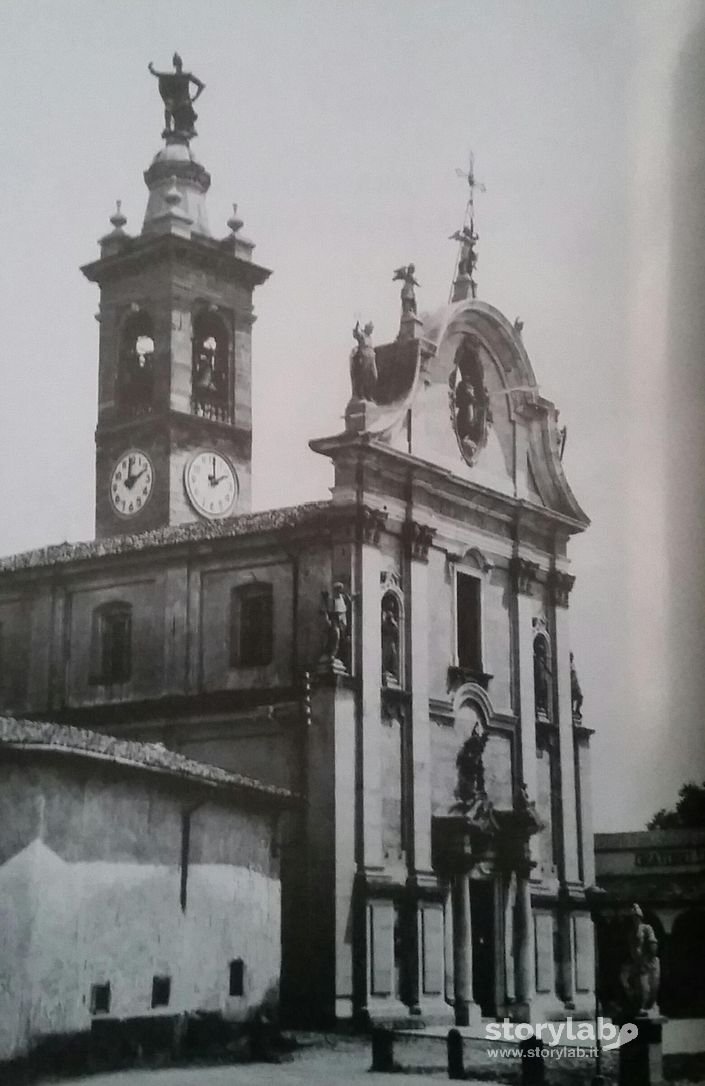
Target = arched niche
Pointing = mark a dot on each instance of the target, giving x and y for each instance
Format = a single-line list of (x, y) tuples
[(210, 366), (543, 675), (392, 635), (135, 373)]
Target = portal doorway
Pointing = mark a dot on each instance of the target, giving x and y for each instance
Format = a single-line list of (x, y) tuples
[(482, 905)]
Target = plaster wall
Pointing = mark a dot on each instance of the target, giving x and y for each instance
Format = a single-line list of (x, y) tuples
[(90, 893)]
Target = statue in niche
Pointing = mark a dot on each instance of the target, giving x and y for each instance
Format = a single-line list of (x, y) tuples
[(470, 400), (391, 675), (640, 974), (406, 275), (174, 88), (471, 771), (576, 694), (542, 676), (336, 612), (363, 364)]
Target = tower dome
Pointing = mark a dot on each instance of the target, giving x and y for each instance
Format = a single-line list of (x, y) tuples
[(176, 167)]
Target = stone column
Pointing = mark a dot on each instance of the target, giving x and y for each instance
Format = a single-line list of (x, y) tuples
[(449, 947), (560, 585), (462, 948), (526, 956), (509, 964)]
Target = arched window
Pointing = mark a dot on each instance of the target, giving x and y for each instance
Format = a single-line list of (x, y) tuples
[(210, 368), (542, 677), (135, 384), (112, 644), (391, 640)]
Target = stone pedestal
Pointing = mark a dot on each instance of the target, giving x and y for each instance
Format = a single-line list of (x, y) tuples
[(641, 1060), (410, 327)]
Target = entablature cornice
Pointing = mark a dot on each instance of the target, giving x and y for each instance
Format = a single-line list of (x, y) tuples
[(198, 252)]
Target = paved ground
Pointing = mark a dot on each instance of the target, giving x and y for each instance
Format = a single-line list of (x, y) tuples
[(337, 1060)]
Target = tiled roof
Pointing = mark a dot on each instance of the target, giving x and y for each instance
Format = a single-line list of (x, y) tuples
[(230, 527), (61, 739)]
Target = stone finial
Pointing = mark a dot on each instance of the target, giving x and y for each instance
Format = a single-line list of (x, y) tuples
[(117, 219), (235, 223)]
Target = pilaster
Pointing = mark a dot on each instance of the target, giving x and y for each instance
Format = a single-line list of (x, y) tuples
[(370, 649), (523, 573), (560, 584), (330, 817), (420, 721)]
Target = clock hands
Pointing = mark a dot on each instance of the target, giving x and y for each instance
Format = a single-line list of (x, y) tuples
[(214, 479), (132, 479)]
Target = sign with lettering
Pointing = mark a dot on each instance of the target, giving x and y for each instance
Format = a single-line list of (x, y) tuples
[(670, 857)]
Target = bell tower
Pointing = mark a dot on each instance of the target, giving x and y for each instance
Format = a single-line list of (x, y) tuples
[(174, 432)]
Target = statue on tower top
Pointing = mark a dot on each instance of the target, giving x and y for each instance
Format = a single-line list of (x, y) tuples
[(174, 88)]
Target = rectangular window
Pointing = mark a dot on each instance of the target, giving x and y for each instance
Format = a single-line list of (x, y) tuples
[(100, 998), (237, 977), (161, 991), (467, 609), (251, 625), (112, 644)]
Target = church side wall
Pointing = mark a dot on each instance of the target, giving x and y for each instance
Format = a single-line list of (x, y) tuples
[(91, 883)]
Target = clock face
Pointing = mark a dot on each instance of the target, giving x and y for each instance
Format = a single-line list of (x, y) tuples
[(211, 484), (131, 483)]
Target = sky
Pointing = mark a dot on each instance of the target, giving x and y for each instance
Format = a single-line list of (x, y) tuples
[(337, 127)]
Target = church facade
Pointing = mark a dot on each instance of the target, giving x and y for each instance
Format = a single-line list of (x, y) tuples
[(398, 655)]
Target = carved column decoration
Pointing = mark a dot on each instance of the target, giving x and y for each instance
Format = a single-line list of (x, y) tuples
[(418, 538), (523, 574), (560, 585), (372, 522)]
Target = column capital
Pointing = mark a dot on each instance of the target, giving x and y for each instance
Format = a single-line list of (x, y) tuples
[(560, 585), (372, 522), (418, 538), (523, 573)]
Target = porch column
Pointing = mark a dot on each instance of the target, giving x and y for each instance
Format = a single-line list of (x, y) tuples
[(449, 947), (509, 941), (462, 948), (526, 969)]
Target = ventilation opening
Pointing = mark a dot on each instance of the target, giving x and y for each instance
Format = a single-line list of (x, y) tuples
[(237, 977), (161, 991), (100, 998)]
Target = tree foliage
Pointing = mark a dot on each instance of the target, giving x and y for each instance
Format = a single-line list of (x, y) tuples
[(688, 813)]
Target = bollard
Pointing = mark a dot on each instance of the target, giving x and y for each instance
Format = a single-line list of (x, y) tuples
[(641, 1061), (456, 1067), (382, 1050), (532, 1068)]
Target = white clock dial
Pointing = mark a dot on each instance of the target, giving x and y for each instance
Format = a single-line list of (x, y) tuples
[(211, 484), (131, 483)]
